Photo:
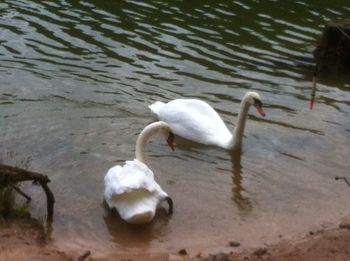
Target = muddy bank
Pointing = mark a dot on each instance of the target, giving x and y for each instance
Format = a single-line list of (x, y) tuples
[(21, 239), (322, 245)]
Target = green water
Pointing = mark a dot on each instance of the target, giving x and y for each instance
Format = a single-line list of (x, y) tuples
[(75, 81)]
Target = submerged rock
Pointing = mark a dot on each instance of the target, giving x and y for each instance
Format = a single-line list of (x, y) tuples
[(183, 252), (234, 244), (345, 223)]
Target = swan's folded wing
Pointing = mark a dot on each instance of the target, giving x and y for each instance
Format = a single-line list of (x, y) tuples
[(194, 120), (137, 206), (133, 175), (132, 190), (155, 107)]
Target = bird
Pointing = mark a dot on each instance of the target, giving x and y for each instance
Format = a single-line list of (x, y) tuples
[(197, 121), (131, 189)]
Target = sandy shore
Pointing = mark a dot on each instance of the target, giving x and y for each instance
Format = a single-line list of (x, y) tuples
[(23, 240)]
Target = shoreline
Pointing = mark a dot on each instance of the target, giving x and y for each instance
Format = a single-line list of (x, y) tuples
[(23, 240)]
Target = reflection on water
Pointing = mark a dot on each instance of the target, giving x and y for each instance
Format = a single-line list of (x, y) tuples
[(242, 201), (76, 80), (15, 159), (134, 236)]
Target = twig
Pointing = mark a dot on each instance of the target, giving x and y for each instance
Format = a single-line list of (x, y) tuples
[(342, 31), (345, 179), (19, 191), (12, 175)]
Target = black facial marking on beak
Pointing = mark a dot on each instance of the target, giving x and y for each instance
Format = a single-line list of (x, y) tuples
[(257, 103), (259, 106), (170, 140)]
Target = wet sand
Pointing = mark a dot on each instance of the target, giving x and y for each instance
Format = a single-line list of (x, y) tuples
[(23, 240)]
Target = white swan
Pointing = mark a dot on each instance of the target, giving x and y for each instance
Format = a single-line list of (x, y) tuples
[(197, 121), (131, 189)]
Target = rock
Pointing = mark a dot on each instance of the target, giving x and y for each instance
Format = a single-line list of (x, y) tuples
[(311, 233), (183, 252), (234, 244), (85, 255), (345, 224), (260, 252)]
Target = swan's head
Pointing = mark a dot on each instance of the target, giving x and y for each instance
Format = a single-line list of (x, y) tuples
[(150, 130), (165, 130), (253, 99)]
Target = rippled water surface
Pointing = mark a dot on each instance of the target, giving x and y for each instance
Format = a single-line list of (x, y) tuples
[(76, 79)]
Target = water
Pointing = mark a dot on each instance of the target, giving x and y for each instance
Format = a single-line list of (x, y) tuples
[(76, 79)]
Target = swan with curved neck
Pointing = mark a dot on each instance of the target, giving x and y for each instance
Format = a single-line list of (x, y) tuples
[(196, 120), (146, 134), (131, 188)]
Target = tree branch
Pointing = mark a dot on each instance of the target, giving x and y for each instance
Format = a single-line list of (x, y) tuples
[(12, 175)]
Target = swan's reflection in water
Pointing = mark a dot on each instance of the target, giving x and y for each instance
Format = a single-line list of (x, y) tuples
[(242, 202), (135, 236), (199, 152)]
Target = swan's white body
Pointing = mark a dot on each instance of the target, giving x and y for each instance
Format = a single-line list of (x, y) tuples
[(133, 192), (131, 188), (197, 121)]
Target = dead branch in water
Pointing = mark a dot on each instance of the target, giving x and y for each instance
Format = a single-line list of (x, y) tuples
[(345, 179), (10, 176)]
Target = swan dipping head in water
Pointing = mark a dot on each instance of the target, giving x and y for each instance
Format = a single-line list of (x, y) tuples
[(131, 189)]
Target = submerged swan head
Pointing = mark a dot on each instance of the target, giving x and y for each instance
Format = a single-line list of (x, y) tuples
[(156, 127), (131, 189), (253, 99)]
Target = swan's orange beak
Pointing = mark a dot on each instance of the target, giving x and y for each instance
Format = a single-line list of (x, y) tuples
[(259, 106), (171, 141), (260, 109)]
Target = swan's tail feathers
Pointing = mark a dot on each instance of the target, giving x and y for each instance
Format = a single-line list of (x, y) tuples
[(155, 107)]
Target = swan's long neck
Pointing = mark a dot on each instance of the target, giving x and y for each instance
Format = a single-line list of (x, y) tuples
[(145, 134), (237, 136)]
